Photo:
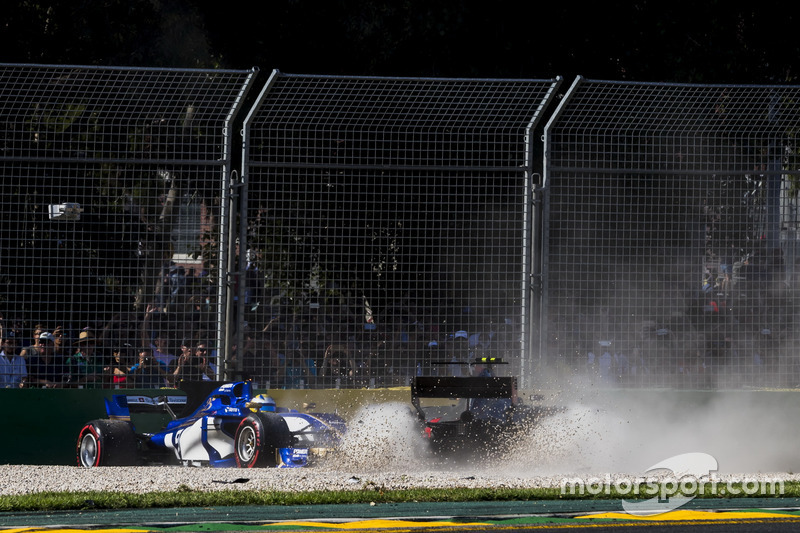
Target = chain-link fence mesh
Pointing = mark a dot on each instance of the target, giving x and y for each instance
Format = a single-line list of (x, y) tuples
[(386, 227), (671, 235), (111, 217)]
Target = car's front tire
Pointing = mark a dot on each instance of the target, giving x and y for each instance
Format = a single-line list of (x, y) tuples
[(258, 439), (107, 443)]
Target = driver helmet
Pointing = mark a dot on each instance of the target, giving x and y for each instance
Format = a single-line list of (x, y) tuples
[(263, 402)]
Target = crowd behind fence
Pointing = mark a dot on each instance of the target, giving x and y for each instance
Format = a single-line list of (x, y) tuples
[(377, 229), (316, 350)]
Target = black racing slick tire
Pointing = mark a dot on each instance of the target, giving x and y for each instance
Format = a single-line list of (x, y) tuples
[(258, 439), (107, 443)]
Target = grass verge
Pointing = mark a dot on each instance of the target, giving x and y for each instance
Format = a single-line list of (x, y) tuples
[(60, 501)]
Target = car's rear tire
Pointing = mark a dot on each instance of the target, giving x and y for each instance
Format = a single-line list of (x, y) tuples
[(107, 443), (258, 439)]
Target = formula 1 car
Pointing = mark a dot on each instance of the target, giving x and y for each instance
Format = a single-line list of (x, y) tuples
[(219, 426), (471, 416)]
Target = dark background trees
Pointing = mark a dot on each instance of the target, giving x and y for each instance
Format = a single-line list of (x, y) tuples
[(679, 41)]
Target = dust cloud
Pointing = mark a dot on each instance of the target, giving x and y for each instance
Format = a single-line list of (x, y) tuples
[(607, 431), (629, 431), (383, 436)]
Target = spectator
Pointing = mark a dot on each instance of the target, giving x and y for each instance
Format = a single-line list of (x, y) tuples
[(622, 365), (120, 366), (38, 329), (605, 363), (638, 366), (424, 366), (86, 366), (335, 361), (34, 349), (461, 345), (481, 368), (58, 335), (45, 368), (591, 362), (13, 369), (148, 372), (457, 352), (161, 350), (192, 367)]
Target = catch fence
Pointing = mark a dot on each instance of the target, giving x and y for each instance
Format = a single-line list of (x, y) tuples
[(670, 235), (387, 227), (113, 213), (321, 231)]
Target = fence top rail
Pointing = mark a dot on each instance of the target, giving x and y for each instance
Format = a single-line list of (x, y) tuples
[(53, 66), (80, 113), (662, 84), (400, 123), (328, 102), (593, 107), (133, 95), (419, 78)]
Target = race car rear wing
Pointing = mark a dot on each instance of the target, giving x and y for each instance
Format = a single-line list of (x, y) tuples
[(461, 387)]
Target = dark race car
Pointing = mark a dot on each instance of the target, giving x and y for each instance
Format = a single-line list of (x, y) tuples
[(220, 425), (464, 417)]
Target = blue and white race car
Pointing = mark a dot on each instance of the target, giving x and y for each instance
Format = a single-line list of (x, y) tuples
[(221, 425)]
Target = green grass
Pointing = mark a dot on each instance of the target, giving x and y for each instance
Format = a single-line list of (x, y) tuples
[(55, 501)]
